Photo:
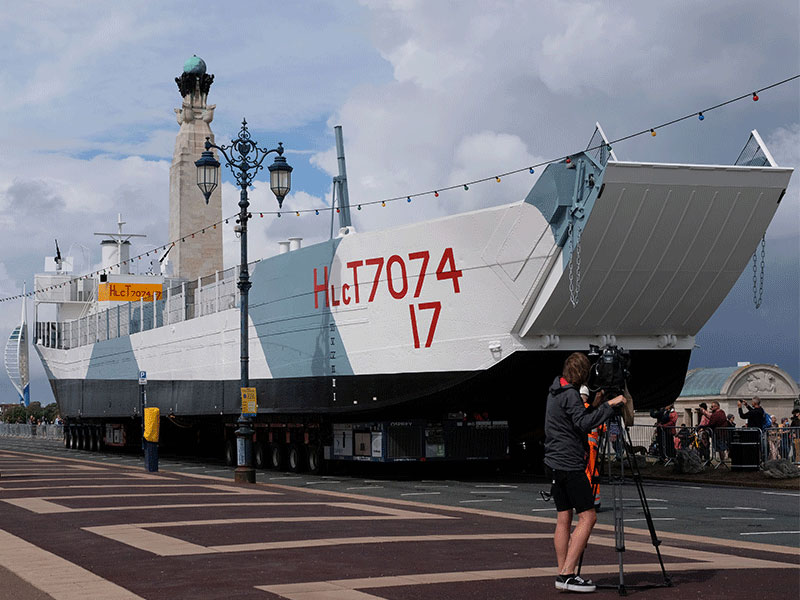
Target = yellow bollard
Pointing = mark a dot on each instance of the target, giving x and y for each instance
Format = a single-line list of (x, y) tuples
[(152, 417), (151, 430)]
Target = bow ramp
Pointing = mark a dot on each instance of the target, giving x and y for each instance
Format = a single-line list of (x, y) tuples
[(661, 248)]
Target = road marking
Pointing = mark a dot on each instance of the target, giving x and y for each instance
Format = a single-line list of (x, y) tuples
[(367, 487), (65, 580), (543, 509), (769, 532), (350, 589), (320, 482), (638, 500), (283, 478), (735, 508), (782, 494), (652, 519), (748, 518), (488, 492), (501, 485), (421, 494), (482, 500)]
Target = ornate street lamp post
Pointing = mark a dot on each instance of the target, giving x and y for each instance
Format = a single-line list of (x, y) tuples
[(244, 158)]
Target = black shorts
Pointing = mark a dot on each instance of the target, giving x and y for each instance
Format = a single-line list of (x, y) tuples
[(571, 489)]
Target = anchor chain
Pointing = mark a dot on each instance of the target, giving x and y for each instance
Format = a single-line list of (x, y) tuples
[(758, 282), (575, 257)]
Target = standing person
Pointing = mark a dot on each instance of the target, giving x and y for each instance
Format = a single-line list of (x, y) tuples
[(668, 430), (754, 414), (718, 422), (593, 439), (795, 425), (567, 423)]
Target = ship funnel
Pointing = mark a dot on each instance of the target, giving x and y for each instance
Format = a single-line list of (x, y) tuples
[(295, 243), (340, 181), (283, 247)]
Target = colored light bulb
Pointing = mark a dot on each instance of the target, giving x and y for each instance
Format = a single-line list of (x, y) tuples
[(497, 179), (569, 160), (531, 170), (316, 212), (359, 207), (653, 132), (436, 194), (408, 199), (466, 187), (383, 204), (755, 97), (700, 116)]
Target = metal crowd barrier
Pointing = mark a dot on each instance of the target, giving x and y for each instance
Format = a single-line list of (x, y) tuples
[(715, 445), (28, 430)]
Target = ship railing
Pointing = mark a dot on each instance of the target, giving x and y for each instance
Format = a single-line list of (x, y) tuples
[(182, 302)]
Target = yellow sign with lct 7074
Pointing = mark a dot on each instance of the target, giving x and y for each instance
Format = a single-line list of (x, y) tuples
[(128, 292)]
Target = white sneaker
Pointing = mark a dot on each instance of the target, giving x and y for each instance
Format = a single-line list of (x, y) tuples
[(574, 583)]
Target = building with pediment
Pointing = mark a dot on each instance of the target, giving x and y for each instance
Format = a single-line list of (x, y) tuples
[(727, 385)]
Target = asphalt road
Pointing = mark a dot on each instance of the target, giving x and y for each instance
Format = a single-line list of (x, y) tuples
[(763, 515)]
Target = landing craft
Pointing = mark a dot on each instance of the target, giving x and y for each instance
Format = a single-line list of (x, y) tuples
[(430, 341), (431, 323)]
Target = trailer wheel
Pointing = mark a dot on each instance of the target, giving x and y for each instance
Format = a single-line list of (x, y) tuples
[(296, 456), (73, 438), (97, 439), (315, 460), (85, 438), (230, 453), (277, 457), (260, 455), (67, 437)]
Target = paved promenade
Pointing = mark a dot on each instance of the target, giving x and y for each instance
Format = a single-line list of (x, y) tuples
[(74, 529)]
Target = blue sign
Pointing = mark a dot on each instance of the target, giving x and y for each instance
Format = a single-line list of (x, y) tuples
[(142, 377)]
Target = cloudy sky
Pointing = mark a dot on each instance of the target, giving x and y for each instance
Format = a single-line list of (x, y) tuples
[(429, 94)]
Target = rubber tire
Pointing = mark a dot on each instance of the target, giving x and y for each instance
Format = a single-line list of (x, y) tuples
[(230, 453), (260, 455), (297, 458), (277, 457), (315, 460), (67, 438), (73, 438), (84, 438), (97, 439)]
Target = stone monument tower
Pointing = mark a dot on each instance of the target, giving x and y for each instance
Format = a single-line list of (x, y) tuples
[(188, 213)]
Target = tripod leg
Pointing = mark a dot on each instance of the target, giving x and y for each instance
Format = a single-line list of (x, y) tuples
[(637, 479)]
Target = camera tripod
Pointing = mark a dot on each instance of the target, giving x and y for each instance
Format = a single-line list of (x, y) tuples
[(617, 481)]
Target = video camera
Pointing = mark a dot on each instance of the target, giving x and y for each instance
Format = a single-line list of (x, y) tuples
[(610, 371)]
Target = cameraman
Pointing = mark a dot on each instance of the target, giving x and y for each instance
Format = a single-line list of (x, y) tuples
[(567, 423)]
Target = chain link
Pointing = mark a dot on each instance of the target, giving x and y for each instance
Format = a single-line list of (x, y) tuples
[(758, 281), (574, 257)]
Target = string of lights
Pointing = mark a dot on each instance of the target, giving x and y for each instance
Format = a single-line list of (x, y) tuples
[(652, 131)]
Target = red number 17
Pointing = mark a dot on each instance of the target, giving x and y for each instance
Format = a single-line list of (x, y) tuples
[(437, 308)]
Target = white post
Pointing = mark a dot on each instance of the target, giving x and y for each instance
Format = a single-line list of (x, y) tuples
[(141, 313), (155, 311), (169, 297), (183, 293), (198, 299)]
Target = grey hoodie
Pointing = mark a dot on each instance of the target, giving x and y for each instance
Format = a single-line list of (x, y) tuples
[(566, 425)]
